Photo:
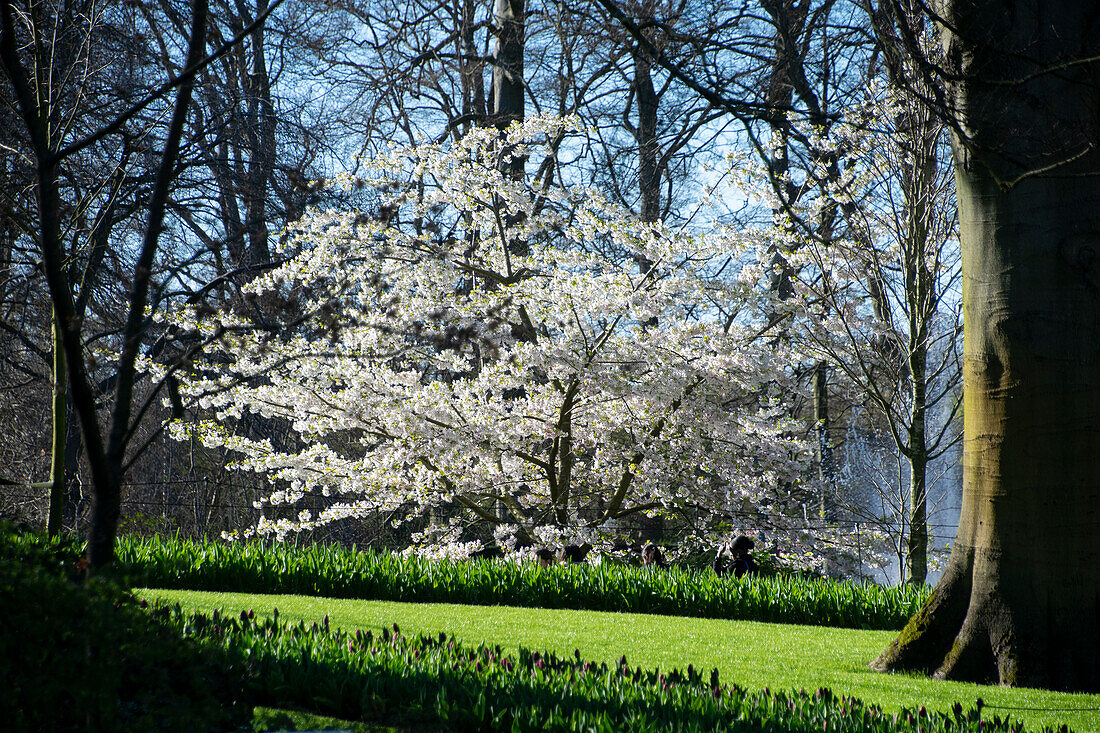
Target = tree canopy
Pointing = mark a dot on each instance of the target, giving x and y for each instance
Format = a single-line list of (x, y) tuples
[(549, 388)]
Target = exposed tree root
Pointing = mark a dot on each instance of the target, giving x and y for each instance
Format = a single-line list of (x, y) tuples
[(968, 631)]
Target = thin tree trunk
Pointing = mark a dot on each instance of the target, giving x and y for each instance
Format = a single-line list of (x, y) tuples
[(473, 79), (59, 406), (509, 93), (916, 555), (261, 135), (920, 290), (916, 448), (821, 433), (645, 134), (74, 504)]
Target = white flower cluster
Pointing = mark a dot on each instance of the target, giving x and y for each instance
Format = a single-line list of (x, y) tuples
[(499, 348)]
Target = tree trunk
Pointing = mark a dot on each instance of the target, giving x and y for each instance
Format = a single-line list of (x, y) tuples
[(472, 70), (645, 134), (508, 93), (916, 544), (916, 550), (1019, 600), (508, 89), (74, 495), (261, 140), (821, 435), (59, 406), (919, 182)]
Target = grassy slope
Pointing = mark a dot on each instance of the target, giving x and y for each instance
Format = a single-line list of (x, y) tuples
[(754, 655)]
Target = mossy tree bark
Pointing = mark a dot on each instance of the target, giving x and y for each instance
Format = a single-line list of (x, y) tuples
[(59, 407), (1019, 602)]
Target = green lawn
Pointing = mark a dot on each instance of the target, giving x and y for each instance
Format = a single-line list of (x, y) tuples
[(754, 655)]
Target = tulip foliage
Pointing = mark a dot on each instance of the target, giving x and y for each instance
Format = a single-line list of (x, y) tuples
[(524, 353), (335, 571)]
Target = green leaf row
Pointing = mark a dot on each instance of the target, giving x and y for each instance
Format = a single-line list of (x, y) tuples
[(435, 679), (339, 572)]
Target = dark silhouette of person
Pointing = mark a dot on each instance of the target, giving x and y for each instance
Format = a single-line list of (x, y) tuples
[(487, 553), (653, 557), (574, 553), (736, 558), (743, 564)]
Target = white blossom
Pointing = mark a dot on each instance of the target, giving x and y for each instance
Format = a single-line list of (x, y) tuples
[(497, 348)]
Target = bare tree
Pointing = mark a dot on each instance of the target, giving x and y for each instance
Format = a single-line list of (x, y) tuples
[(80, 69), (886, 318), (247, 164), (51, 141)]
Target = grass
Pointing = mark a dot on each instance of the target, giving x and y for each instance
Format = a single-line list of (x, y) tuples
[(274, 719), (754, 655)]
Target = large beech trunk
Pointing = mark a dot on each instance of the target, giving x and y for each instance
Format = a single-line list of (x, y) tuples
[(1019, 602)]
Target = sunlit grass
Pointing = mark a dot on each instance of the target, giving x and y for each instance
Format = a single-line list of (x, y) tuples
[(272, 719), (754, 655)]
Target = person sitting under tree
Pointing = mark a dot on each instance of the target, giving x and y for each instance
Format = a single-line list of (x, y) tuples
[(735, 558), (653, 557)]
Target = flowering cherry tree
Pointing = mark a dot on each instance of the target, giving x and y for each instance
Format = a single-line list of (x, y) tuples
[(492, 345)]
